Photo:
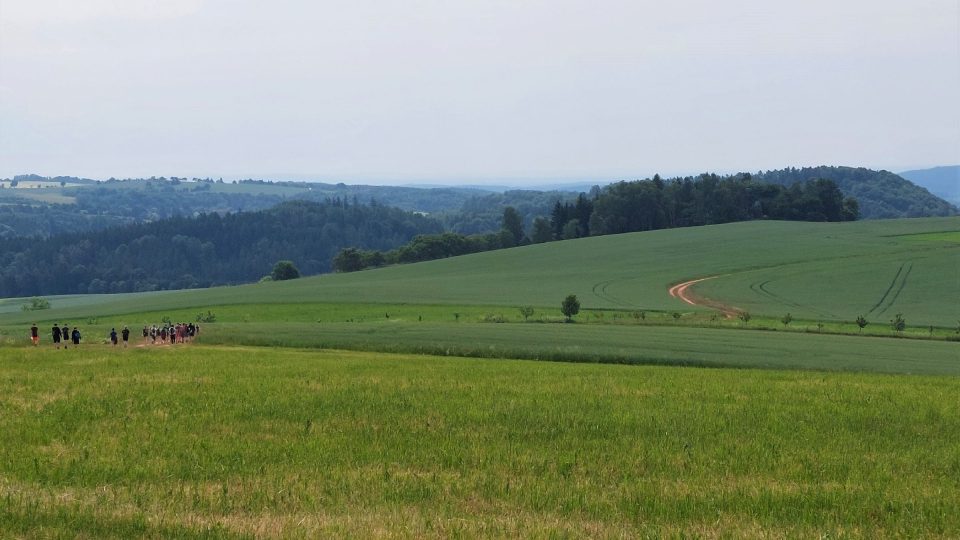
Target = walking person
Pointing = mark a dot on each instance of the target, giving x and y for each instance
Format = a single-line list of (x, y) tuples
[(66, 335), (76, 336), (125, 333), (35, 334), (113, 336), (55, 331)]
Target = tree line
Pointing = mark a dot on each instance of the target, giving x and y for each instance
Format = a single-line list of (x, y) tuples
[(202, 251), (624, 207)]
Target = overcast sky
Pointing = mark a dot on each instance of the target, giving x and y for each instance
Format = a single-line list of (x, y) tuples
[(474, 91)]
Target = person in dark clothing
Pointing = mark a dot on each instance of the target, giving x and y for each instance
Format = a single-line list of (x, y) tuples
[(35, 334), (66, 335), (76, 336), (56, 335), (113, 336), (125, 333)]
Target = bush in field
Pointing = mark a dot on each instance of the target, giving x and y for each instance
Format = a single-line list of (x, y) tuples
[(284, 270), (36, 303), (207, 317), (676, 315), (526, 311), (787, 319), (745, 316), (862, 322), (570, 307), (898, 323)]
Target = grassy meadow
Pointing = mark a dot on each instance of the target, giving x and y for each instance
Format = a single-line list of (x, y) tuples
[(235, 442)]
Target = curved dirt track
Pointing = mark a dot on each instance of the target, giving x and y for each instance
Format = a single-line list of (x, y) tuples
[(684, 292)]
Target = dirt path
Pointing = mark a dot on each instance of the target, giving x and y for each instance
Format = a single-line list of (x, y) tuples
[(684, 292)]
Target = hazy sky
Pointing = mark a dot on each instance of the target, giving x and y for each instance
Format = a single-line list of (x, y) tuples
[(447, 90)]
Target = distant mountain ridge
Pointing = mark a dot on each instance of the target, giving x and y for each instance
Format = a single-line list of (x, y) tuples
[(943, 181), (881, 194)]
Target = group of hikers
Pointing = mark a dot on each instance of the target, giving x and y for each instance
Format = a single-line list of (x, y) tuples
[(60, 334), (175, 333), (162, 334)]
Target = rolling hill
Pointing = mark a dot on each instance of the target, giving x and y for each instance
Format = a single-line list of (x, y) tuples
[(829, 271), (881, 194)]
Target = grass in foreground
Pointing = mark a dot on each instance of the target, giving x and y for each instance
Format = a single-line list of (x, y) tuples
[(230, 442)]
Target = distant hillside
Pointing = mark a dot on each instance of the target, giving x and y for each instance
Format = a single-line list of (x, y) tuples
[(881, 194), (201, 251), (33, 205), (943, 182)]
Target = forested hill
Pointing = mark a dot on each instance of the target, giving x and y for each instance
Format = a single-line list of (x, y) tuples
[(881, 194), (32, 205), (202, 251)]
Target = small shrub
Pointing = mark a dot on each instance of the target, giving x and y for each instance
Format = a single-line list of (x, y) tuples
[(676, 316), (491, 318), (898, 323), (36, 303), (862, 322), (640, 315), (745, 316), (787, 319), (526, 312), (207, 317)]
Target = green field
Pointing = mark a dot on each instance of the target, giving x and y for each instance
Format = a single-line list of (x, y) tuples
[(434, 423), (817, 271), (204, 441)]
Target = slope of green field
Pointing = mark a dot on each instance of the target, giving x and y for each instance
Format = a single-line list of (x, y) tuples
[(813, 270), (218, 442)]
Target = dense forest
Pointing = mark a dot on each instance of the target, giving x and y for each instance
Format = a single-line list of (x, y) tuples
[(623, 207), (202, 251)]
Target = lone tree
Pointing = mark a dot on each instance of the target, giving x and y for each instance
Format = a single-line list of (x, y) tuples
[(570, 307), (284, 270), (526, 311), (898, 324), (862, 322), (744, 316), (787, 319)]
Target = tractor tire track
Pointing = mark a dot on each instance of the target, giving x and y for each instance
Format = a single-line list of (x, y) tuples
[(761, 289), (600, 291), (893, 283), (903, 283)]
